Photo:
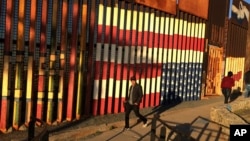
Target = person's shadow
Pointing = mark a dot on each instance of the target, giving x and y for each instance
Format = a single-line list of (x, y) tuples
[(169, 101), (235, 94)]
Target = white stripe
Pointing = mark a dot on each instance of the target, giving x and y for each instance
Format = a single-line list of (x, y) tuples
[(169, 55), (135, 20), (155, 54), (185, 24), (138, 59), (113, 52), (98, 51), (153, 82), (201, 57), (119, 54), (115, 17), (126, 54), (181, 24), (203, 30), (111, 86), (189, 29), (122, 19), (147, 89), (160, 55), (103, 90), (128, 19), (179, 52), (194, 56), (100, 14), (144, 54), (96, 87), (150, 59), (117, 89), (184, 56), (152, 15), (124, 86), (165, 51), (193, 30), (153, 86), (140, 22), (191, 53), (132, 55), (157, 21), (171, 32), (143, 84), (162, 26), (167, 28), (176, 26), (146, 21), (196, 30), (108, 16), (106, 52)]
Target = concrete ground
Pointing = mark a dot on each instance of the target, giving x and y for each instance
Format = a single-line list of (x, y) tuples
[(189, 118)]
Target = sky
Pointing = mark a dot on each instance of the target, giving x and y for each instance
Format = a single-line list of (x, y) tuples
[(248, 1), (231, 1)]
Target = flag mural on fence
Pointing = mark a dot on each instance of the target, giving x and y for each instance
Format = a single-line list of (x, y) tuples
[(132, 54), (182, 68), (164, 52)]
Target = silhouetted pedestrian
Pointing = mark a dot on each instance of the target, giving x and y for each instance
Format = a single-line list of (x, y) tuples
[(133, 102), (226, 85)]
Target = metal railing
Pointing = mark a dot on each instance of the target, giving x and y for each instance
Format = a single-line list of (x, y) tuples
[(42, 136)]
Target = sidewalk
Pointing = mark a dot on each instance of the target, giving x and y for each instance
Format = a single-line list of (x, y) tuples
[(190, 113)]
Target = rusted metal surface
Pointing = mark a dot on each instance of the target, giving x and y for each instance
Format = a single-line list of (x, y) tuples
[(196, 7), (215, 69), (168, 6)]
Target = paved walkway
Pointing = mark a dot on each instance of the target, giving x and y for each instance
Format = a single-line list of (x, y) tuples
[(190, 116)]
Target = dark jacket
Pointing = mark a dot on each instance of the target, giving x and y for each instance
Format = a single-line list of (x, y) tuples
[(137, 94), (247, 77)]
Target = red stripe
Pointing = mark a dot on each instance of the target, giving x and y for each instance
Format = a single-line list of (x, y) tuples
[(4, 115), (102, 107), (95, 107), (144, 68), (150, 39), (39, 108), (110, 104), (72, 60), (116, 105), (40, 83), (43, 27)]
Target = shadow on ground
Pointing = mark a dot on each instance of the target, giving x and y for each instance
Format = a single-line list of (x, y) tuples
[(235, 94), (199, 129)]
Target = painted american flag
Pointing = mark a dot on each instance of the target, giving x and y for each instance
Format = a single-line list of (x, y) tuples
[(164, 52)]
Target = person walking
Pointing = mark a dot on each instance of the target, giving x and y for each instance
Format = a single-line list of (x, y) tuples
[(132, 103), (247, 83), (226, 85)]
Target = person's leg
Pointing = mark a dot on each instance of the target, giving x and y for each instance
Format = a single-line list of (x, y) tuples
[(127, 113), (137, 113), (224, 92), (228, 95)]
